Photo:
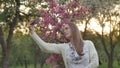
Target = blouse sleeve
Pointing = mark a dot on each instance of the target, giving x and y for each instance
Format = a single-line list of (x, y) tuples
[(93, 55), (47, 47)]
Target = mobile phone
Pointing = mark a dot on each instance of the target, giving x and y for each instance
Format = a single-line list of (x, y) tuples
[(35, 21)]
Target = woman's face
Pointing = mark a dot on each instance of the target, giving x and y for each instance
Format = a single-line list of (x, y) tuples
[(67, 31)]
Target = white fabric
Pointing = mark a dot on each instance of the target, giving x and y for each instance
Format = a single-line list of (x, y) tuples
[(76, 61), (63, 50)]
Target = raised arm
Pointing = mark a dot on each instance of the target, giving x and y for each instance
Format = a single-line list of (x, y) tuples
[(93, 55), (47, 47)]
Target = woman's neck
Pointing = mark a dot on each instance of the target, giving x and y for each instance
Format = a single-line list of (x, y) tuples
[(71, 41)]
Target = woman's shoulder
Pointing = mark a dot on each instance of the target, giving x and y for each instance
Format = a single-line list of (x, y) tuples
[(63, 47), (88, 43)]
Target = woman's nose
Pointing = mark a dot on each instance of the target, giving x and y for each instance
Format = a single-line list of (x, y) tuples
[(65, 31)]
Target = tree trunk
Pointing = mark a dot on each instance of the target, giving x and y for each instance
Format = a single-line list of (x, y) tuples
[(41, 65), (25, 62), (14, 63), (6, 44), (85, 29), (5, 62), (110, 56), (110, 62), (35, 59), (111, 53), (5, 51)]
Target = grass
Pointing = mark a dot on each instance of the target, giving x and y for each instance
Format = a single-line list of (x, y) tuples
[(30, 66), (104, 65)]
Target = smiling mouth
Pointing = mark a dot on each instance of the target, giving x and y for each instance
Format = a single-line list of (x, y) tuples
[(65, 33)]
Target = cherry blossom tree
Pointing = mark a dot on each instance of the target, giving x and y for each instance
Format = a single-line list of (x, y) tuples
[(54, 16)]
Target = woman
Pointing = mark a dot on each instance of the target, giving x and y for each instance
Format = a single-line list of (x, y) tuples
[(76, 53)]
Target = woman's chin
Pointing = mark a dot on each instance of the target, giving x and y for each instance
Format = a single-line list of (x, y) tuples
[(67, 37)]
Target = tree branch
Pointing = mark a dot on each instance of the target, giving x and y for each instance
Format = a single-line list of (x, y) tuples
[(13, 23), (103, 42)]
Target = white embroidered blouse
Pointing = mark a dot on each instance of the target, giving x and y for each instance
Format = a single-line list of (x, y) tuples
[(70, 57), (76, 61)]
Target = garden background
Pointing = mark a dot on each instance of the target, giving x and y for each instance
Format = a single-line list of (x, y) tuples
[(99, 22)]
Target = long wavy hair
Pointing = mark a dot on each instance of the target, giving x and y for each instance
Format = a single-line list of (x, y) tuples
[(77, 38)]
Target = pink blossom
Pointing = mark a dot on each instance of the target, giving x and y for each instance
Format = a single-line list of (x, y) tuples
[(53, 34), (79, 12), (73, 4), (57, 15), (52, 3), (48, 60), (60, 9), (45, 36), (53, 57), (84, 10), (66, 17), (42, 12)]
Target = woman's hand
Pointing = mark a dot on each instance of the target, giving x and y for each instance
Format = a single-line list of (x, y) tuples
[(32, 23), (31, 27)]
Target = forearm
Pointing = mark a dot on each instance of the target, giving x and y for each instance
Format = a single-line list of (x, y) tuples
[(48, 47), (38, 40)]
